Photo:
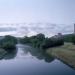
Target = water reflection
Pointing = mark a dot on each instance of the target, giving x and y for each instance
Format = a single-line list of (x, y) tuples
[(40, 64), (10, 55), (22, 50), (39, 54)]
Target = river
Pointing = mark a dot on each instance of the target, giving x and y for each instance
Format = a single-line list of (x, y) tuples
[(28, 61)]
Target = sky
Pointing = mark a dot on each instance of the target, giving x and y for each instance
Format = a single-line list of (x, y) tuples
[(29, 17)]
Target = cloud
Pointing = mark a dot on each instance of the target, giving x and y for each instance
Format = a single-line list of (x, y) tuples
[(7, 29), (29, 29), (45, 28)]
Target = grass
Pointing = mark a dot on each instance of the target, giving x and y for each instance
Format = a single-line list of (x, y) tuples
[(66, 53)]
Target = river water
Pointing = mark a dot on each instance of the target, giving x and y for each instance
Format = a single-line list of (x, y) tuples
[(28, 61)]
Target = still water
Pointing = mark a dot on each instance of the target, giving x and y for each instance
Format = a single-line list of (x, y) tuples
[(28, 61)]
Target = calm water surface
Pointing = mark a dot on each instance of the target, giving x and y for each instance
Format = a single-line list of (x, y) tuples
[(28, 61)]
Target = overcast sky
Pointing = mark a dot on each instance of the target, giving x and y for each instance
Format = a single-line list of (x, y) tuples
[(51, 17)]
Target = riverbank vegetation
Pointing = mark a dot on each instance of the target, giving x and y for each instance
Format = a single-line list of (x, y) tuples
[(42, 42), (66, 53), (8, 43)]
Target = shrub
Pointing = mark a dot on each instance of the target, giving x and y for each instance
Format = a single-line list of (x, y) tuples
[(8, 45), (8, 42), (39, 41)]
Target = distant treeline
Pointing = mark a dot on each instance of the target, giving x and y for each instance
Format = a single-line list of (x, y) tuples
[(38, 41), (69, 38), (41, 42)]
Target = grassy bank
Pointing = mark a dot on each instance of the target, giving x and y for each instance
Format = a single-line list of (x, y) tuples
[(66, 53)]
